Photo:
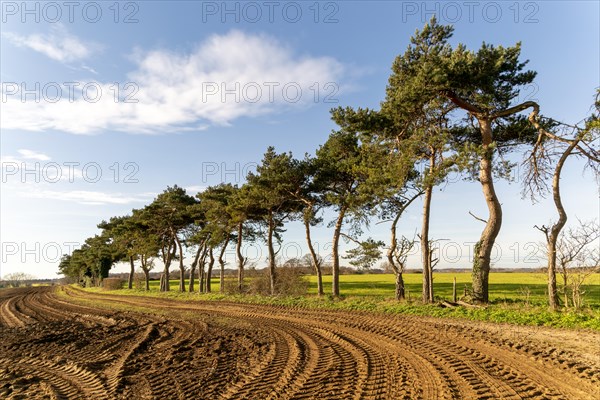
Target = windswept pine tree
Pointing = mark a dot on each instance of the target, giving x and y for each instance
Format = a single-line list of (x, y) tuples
[(430, 82), (166, 218), (341, 178), (271, 190)]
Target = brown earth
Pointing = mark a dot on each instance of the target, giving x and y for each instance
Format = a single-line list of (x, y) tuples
[(70, 344)]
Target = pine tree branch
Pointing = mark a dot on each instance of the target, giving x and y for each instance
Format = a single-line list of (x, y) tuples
[(461, 102), (515, 109)]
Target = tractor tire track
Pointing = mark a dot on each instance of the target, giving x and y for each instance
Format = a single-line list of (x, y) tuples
[(69, 344)]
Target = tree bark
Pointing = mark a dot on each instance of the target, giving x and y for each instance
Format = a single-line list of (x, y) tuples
[(272, 272), (425, 246), (431, 299), (335, 279), (165, 286), (131, 273), (211, 262), (399, 286), (181, 266), (146, 270), (193, 267), (147, 278), (238, 249), (192, 278), (162, 282), (552, 292), (201, 264), (557, 227), (400, 294), (201, 278), (483, 248), (222, 264), (315, 258)]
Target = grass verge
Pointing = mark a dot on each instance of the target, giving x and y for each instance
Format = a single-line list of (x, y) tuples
[(510, 302)]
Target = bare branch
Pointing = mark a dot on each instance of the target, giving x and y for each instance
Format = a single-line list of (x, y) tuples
[(544, 229), (477, 218), (591, 154)]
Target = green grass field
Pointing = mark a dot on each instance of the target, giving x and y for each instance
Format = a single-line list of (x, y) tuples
[(504, 287), (516, 298)]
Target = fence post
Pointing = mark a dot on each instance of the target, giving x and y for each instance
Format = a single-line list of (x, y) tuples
[(454, 290)]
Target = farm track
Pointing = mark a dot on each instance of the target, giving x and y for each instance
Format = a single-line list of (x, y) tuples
[(71, 344)]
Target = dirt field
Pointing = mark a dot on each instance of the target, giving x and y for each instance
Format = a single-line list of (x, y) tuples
[(62, 346)]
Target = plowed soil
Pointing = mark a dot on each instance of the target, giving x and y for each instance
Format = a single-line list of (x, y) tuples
[(70, 344)]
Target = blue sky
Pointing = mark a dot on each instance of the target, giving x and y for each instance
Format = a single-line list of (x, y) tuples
[(173, 57)]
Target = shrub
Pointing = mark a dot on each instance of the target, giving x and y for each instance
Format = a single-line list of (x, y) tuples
[(231, 286), (290, 282), (86, 282), (113, 283)]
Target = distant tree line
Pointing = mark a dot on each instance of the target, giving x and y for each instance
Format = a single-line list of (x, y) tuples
[(446, 109), (18, 279)]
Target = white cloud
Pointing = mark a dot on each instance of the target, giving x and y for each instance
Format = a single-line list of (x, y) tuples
[(89, 69), (29, 179), (91, 197), (183, 91), (58, 45), (33, 155), (9, 160)]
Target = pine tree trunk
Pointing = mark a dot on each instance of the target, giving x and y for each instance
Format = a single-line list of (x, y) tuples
[(272, 272), (181, 266), (425, 246), (131, 273), (147, 278), (222, 264), (193, 267), (201, 275), (192, 277), (335, 279), (399, 294), (238, 249), (168, 257), (201, 263), (165, 286), (483, 248), (211, 262), (315, 258)]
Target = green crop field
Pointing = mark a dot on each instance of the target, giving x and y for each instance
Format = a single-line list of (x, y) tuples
[(518, 298), (504, 286)]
